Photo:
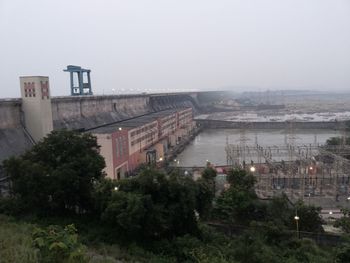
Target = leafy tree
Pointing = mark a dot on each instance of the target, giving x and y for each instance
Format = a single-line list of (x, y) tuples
[(153, 206), (205, 192), (102, 194), (209, 173), (58, 174), (309, 218), (126, 212), (236, 206), (333, 141), (204, 197), (240, 179), (239, 204), (251, 248), (280, 211), (342, 252), (344, 221)]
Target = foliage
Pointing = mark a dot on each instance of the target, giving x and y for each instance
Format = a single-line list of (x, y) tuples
[(102, 194), (11, 206), (309, 217), (240, 179), (57, 175), (126, 212), (333, 141), (343, 251), (204, 197), (239, 204), (205, 192), (304, 250), (59, 245), (281, 212), (152, 206), (344, 221), (209, 173), (236, 206)]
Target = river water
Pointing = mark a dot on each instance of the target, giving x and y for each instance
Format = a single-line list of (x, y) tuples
[(210, 144)]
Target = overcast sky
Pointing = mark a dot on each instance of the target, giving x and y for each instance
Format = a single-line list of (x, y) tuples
[(169, 45)]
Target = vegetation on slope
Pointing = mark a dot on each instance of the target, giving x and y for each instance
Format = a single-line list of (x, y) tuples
[(154, 217)]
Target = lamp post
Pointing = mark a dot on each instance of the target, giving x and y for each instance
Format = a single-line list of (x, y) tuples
[(296, 218)]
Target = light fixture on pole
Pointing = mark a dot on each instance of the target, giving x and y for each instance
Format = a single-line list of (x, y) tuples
[(296, 218)]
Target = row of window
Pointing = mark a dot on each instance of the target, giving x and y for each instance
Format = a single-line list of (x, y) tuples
[(143, 129), (29, 89), (187, 116), (185, 111), (121, 146), (148, 136), (168, 118), (171, 124), (29, 92)]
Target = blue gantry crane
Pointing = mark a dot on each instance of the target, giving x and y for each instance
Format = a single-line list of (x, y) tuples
[(83, 88)]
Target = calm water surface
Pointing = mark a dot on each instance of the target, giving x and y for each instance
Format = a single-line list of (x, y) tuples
[(210, 144)]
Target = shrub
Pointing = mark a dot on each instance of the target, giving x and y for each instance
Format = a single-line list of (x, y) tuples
[(59, 245)]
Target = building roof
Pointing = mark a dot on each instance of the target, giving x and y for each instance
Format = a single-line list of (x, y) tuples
[(135, 122)]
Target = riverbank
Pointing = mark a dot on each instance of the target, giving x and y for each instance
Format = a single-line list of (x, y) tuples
[(174, 151), (224, 124)]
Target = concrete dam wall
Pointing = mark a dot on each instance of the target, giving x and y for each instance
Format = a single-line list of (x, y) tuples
[(10, 112), (13, 140), (88, 112), (83, 112)]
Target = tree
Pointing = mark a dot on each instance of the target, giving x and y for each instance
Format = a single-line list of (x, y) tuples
[(153, 206), (209, 173), (343, 251), (242, 180), (204, 197), (239, 204), (344, 221), (334, 141), (58, 174), (126, 212), (205, 192), (309, 217)]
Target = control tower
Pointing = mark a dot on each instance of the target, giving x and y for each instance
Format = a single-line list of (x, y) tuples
[(36, 106), (84, 84)]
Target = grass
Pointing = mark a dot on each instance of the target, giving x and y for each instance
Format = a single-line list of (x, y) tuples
[(16, 242), (16, 246)]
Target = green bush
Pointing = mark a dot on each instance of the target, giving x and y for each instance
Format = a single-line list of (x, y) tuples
[(57, 245)]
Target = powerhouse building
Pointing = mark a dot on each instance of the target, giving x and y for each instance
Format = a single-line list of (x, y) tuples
[(145, 139)]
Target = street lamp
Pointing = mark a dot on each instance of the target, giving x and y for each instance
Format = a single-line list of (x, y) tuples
[(296, 218), (252, 169), (116, 188)]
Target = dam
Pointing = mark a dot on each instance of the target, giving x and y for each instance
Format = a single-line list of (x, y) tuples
[(87, 112)]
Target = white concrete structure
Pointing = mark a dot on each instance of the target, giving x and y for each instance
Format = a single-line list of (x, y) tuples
[(36, 106)]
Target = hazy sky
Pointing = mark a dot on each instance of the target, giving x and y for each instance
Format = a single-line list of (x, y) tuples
[(165, 45)]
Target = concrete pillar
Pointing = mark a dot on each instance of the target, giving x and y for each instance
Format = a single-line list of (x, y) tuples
[(71, 83), (89, 81)]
